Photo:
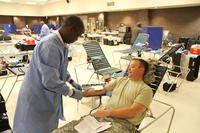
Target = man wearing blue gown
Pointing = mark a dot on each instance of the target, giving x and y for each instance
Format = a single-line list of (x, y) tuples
[(44, 30), (39, 104)]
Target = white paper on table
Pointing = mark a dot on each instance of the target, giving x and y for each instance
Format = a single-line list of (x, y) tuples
[(90, 125), (104, 126)]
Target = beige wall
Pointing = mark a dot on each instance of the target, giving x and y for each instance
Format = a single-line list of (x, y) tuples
[(61, 7), (22, 21), (5, 20), (129, 18), (10, 9), (87, 6), (33, 20), (181, 21), (54, 20)]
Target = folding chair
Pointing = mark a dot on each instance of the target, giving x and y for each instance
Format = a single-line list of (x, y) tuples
[(141, 39), (159, 74), (16, 71), (158, 71), (175, 70), (171, 51), (137, 47), (98, 60), (15, 68), (4, 122)]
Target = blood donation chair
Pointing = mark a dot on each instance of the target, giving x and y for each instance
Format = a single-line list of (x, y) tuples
[(153, 78), (159, 72), (137, 47), (98, 60)]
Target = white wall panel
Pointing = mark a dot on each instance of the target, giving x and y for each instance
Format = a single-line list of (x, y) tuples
[(87, 6), (20, 10)]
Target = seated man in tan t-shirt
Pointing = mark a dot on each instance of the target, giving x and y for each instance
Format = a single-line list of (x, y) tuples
[(131, 96)]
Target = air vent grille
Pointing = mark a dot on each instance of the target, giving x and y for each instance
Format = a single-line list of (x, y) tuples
[(110, 3)]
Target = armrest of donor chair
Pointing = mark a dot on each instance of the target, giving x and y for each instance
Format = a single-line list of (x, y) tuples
[(97, 93), (95, 58), (18, 70)]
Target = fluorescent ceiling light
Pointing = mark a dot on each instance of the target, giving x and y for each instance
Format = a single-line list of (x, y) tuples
[(5, 0), (39, 0), (31, 3)]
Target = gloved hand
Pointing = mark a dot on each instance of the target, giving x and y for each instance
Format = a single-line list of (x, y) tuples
[(76, 86), (77, 94), (109, 93)]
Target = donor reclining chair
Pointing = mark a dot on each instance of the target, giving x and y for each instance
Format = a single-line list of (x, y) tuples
[(122, 125), (138, 46), (98, 60), (158, 74), (153, 78), (160, 70), (141, 39)]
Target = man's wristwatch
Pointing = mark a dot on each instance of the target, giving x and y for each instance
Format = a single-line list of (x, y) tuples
[(71, 92), (71, 81)]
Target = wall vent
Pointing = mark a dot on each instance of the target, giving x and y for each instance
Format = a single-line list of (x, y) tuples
[(111, 3)]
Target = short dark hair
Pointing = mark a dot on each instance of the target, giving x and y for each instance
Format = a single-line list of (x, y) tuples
[(144, 63), (75, 22)]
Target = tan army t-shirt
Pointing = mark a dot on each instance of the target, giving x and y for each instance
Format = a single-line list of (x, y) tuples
[(126, 92)]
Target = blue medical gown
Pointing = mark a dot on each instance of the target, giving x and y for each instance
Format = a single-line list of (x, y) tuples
[(44, 31), (39, 104)]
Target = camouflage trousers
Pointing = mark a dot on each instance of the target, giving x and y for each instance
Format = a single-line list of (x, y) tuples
[(118, 126)]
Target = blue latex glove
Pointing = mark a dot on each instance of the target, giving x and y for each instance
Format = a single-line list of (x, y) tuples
[(77, 94), (109, 93), (76, 86)]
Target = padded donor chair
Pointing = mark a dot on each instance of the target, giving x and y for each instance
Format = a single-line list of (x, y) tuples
[(159, 72), (98, 59), (156, 70), (137, 47), (141, 39), (153, 78)]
